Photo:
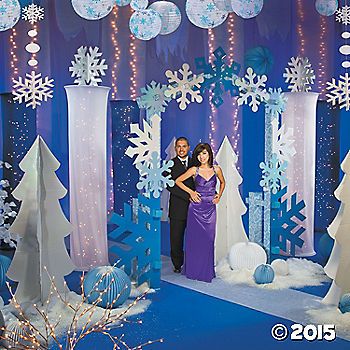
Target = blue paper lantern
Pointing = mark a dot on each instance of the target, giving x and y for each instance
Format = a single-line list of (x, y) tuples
[(260, 59), (344, 303), (93, 9), (145, 24), (110, 279), (247, 9), (264, 274), (326, 7), (10, 12), (5, 263)]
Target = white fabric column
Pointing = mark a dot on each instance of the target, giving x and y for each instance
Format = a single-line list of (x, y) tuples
[(300, 115), (87, 128)]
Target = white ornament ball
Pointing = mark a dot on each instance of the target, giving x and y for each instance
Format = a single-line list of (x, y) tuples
[(93, 9), (247, 9), (280, 267), (246, 255), (326, 7), (122, 2), (170, 15), (139, 4), (9, 14), (145, 24)]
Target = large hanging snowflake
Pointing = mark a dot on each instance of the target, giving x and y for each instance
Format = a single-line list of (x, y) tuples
[(273, 174), (299, 75), (33, 89), (152, 177), (188, 84), (276, 104), (153, 98), (33, 13), (282, 142), (218, 77), (146, 142), (343, 15), (339, 91), (88, 67), (251, 88)]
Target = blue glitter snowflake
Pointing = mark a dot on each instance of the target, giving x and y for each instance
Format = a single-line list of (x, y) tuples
[(276, 104), (218, 77), (154, 177), (273, 174)]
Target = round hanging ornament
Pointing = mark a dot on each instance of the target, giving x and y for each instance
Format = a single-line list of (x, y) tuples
[(93, 9), (169, 14)]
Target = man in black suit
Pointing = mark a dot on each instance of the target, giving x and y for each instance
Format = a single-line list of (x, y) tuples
[(179, 202)]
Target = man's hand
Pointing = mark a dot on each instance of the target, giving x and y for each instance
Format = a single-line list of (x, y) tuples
[(216, 199), (195, 197)]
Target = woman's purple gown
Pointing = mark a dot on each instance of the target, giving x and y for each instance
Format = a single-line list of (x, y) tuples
[(200, 232)]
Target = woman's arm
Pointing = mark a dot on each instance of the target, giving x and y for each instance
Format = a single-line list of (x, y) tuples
[(221, 178), (195, 196)]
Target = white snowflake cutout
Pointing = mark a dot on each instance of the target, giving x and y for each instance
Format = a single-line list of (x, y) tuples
[(299, 75), (188, 84), (343, 15), (146, 142), (339, 92), (154, 177), (33, 89), (252, 86), (33, 13)]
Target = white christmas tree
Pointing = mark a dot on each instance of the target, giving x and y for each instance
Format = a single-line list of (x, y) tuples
[(229, 225), (42, 227), (338, 265)]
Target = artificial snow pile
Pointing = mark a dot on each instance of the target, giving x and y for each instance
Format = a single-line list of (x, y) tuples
[(302, 273)]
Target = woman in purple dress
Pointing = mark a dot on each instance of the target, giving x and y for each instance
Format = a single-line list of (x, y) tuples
[(201, 219)]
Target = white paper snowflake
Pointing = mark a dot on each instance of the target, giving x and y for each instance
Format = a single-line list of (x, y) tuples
[(179, 88), (88, 67), (339, 92), (33, 13), (282, 142), (343, 15), (299, 75), (251, 88), (152, 175), (276, 104), (33, 89), (146, 142)]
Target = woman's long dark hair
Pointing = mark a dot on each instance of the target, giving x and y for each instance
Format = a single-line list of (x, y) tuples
[(199, 148)]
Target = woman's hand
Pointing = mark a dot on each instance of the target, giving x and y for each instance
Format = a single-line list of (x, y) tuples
[(216, 199), (195, 197)]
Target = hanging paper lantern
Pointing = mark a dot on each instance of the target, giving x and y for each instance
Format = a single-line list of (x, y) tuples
[(139, 4), (264, 274), (344, 303), (110, 280), (224, 5), (122, 2), (169, 14), (10, 12), (93, 9), (246, 255), (247, 9), (326, 7), (204, 13), (5, 263), (260, 59), (145, 24), (280, 267)]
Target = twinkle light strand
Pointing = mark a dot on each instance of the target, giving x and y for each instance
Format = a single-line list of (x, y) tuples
[(322, 63), (213, 113), (133, 65), (300, 25), (116, 59), (13, 49)]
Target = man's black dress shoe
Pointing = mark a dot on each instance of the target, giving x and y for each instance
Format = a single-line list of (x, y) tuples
[(177, 270)]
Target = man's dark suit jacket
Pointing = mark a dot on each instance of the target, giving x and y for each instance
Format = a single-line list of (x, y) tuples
[(179, 199)]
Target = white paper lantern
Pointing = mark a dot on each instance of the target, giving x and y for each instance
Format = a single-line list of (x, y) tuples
[(122, 2), (224, 5), (170, 15), (247, 255), (280, 267), (145, 24), (326, 7), (9, 14), (138, 5), (247, 9), (93, 9), (204, 13)]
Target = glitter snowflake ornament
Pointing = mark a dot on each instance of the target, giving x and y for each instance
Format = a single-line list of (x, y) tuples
[(252, 87), (180, 88), (153, 98), (152, 178), (299, 74), (33, 89), (343, 15), (88, 67), (339, 92), (276, 103), (33, 13)]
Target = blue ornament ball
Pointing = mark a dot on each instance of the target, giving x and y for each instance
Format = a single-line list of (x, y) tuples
[(326, 7), (5, 263), (264, 274), (112, 278), (260, 58), (344, 303)]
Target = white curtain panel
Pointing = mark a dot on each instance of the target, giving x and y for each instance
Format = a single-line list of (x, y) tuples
[(87, 115), (300, 115)]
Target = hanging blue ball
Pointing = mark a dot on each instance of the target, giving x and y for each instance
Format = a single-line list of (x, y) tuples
[(110, 279), (5, 263), (326, 7), (264, 274), (260, 59), (344, 303)]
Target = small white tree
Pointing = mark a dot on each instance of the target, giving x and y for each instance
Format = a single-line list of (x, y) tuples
[(42, 227), (229, 225), (338, 265)]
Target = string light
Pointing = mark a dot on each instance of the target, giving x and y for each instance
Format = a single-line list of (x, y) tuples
[(133, 65), (322, 63), (213, 112), (13, 48), (300, 25), (114, 21)]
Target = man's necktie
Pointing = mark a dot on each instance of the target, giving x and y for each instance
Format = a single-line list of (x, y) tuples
[(184, 163)]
